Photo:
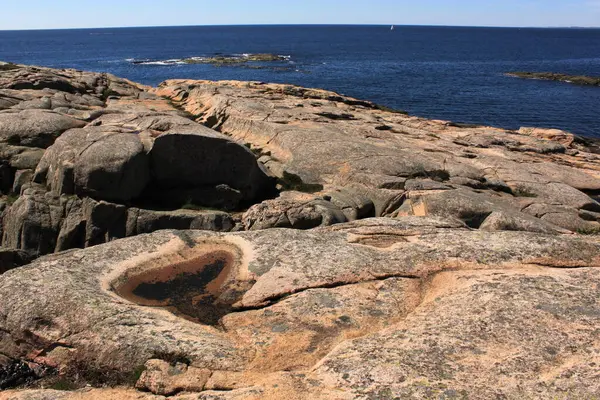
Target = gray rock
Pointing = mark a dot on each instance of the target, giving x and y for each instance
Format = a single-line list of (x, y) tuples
[(426, 184), (564, 216), (112, 168), (353, 204), (32, 223), (101, 163), (11, 258), (72, 234), (22, 177), (105, 221), (510, 221), (572, 222), (555, 193), (34, 128), (41, 223), (141, 221), (474, 209), (41, 79), (28, 159), (293, 210)]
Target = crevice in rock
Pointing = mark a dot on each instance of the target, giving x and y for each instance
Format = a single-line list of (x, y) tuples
[(594, 207), (394, 204), (19, 373), (294, 182), (474, 220), (222, 389), (565, 267), (53, 347), (272, 300)]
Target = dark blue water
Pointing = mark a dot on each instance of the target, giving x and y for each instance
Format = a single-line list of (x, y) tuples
[(436, 72)]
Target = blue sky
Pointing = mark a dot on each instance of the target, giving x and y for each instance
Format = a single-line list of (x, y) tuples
[(41, 14)]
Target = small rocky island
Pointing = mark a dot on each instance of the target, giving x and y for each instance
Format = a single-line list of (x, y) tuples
[(550, 76), (218, 59), (244, 240)]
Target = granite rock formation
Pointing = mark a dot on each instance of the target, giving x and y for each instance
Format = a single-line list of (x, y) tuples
[(87, 158), (413, 307), (242, 240), (319, 141)]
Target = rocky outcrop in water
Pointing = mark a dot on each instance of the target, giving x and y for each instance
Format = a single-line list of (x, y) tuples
[(247, 60), (240, 240), (550, 76)]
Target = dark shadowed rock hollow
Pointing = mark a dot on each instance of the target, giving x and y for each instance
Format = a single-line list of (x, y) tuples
[(242, 240)]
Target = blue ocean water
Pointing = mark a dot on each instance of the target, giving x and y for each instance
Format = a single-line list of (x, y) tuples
[(450, 73)]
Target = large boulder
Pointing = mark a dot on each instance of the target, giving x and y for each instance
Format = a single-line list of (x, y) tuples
[(21, 157), (105, 164), (40, 79), (488, 211)]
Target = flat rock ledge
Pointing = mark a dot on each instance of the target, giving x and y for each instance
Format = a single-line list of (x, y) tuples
[(413, 307)]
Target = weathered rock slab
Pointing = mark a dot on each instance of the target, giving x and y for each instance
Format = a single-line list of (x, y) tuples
[(338, 143), (34, 128), (481, 335), (283, 299)]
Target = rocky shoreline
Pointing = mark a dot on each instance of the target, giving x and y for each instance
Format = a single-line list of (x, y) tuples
[(550, 76), (245, 240)]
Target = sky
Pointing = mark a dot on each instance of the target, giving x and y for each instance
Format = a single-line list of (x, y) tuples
[(47, 14)]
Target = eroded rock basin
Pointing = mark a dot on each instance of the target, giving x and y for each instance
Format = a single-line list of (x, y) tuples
[(201, 288)]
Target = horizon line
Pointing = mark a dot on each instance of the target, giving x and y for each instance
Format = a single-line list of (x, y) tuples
[(301, 24)]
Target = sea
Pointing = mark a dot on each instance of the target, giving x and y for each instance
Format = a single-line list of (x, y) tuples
[(450, 73)]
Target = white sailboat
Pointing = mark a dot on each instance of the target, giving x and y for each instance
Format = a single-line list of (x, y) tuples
[(392, 28)]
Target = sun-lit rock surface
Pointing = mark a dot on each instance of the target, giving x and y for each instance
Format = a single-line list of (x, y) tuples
[(335, 305), (312, 138)]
